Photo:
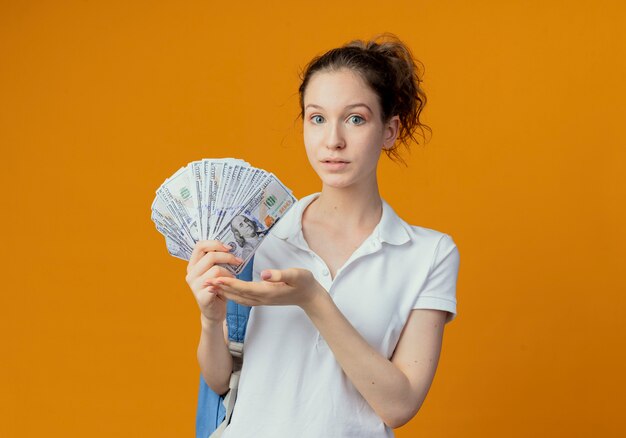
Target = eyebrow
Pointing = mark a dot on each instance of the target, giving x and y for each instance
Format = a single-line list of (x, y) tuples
[(354, 105)]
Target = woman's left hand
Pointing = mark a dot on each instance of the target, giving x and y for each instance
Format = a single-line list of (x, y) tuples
[(279, 287)]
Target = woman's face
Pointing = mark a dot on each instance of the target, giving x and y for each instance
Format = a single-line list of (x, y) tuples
[(244, 226), (343, 131)]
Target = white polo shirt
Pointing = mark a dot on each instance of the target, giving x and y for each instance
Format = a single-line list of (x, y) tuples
[(291, 384)]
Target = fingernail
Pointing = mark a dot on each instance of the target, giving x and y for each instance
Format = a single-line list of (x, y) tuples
[(240, 261), (266, 275)]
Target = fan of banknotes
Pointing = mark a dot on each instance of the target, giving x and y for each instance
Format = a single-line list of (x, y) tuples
[(220, 199)]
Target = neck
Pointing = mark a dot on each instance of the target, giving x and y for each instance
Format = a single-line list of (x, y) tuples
[(352, 206)]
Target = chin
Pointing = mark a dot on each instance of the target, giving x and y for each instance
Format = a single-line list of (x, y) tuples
[(336, 181), (344, 180)]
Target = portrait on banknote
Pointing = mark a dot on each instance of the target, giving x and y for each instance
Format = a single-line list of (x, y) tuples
[(247, 235)]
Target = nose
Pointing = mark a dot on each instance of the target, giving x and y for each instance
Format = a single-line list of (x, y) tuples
[(334, 136)]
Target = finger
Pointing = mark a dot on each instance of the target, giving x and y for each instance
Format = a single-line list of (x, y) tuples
[(207, 296), (236, 285), (209, 277), (215, 291), (238, 296), (213, 273), (204, 246), (211, 259), (243, 301), (212, 291)]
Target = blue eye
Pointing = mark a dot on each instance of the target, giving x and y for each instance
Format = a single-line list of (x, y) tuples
[(357, 120), (317, 119)]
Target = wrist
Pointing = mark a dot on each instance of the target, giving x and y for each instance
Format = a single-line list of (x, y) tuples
[(209, 324), (315, 306)]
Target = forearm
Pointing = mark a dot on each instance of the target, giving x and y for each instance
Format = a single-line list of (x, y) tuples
[(394, 389), (215, 361), (383, 385)]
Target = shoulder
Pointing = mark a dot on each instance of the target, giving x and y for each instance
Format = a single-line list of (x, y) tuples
[(431, 258), (439, 247), (441, 260), (438, 240), (427, 241)]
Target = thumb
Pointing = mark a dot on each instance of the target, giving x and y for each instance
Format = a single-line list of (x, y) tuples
[(277, 275)]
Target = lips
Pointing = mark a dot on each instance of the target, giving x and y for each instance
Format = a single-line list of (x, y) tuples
[(334, 164), (334, 160)]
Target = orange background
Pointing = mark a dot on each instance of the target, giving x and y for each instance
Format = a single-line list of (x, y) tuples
[(101, 101)]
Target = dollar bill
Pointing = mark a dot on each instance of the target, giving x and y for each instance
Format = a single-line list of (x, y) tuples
[(178, 193), (224, 199), (168, 225), (246, 230), (197, 172)]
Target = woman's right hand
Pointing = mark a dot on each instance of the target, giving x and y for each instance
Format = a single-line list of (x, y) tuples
[(203, 265)]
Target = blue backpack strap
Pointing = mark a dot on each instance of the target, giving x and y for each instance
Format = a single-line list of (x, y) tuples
[(211, 412), (237, 314)]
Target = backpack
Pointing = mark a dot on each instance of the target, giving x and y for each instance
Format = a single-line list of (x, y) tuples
[(214, 411)]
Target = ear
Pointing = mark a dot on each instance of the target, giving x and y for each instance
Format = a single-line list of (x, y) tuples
[(391, 130)]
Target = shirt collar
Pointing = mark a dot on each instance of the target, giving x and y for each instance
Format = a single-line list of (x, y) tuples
[(390, 229)]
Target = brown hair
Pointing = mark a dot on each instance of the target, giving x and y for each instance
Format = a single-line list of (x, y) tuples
[(388, 67)]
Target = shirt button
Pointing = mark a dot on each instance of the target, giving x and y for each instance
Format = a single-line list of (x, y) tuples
[(325, 272)]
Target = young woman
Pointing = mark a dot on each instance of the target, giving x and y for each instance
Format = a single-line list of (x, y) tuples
[(349, 301)]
